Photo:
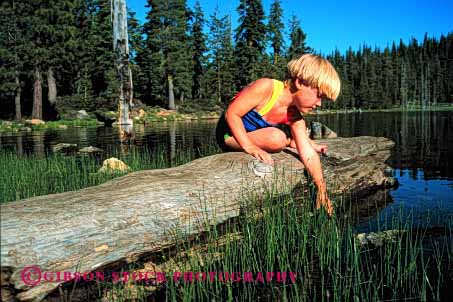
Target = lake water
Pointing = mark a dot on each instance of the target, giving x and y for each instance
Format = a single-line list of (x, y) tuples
[(422, 158)]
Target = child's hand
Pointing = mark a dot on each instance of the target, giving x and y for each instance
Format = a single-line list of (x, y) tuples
[(259, 154), (323, 200), (320, 148)]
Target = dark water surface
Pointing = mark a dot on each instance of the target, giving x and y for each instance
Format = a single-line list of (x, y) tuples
[(422, 160), (171, 135), (422, 157)]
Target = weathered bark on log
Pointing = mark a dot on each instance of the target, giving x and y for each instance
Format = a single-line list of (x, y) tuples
[(122, 220)]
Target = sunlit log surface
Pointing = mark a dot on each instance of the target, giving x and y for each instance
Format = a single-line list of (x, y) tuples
[(118, 222)]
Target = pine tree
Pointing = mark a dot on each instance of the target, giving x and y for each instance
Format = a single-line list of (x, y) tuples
[(36, 15), (276, 29), (95, 82), (30, 32), (167, 59), (12, 42), (106, 83), (353, 77), (152, 59), (60, 41), (136, 48), (340, 66), (250, 41), (346, 88), (386, 78), (199, 48), (135, 32), (297, 39), (81, 82), (221, 63), (449, 68)]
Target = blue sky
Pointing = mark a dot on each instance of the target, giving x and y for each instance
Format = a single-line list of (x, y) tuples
[(331, 24)]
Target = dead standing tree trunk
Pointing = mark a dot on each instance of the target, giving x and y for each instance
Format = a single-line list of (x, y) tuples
[(121, 48), (171, 95), (52, 87), (17, 97), (37, 95)]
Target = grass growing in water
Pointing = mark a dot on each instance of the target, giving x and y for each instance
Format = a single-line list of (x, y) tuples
[(284, 235), (272, 235), (31, 175), (329, 262)]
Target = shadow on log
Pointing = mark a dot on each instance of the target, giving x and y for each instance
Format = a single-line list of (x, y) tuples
[(121, 221)]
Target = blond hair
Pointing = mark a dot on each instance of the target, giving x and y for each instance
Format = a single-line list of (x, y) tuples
[(314, 71)]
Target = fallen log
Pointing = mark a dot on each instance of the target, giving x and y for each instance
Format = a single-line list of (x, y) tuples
[(119, 222)]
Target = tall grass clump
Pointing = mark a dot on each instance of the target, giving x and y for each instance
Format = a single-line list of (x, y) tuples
[(240, 260), (276, 232), (25, 176), (280, 234)]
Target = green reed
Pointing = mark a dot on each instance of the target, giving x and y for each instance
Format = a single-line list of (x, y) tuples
[(282, 234), (25, 176), (276, 231)]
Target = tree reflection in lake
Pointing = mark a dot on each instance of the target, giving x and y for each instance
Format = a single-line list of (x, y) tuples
[(422, 139)]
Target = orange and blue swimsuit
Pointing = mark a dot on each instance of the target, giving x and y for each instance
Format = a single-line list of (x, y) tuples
[(252, 120)]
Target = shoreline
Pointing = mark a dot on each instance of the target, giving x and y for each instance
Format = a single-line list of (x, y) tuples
[(143, 117)]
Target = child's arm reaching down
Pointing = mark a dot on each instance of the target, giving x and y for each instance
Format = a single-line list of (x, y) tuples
[(310, 158)]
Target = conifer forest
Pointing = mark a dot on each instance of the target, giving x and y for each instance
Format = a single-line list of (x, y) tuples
[(58, 55)]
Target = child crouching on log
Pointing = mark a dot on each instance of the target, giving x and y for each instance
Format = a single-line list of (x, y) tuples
[(257, 119)]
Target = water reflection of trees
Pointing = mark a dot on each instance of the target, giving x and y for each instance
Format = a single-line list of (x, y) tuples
[(194, 138), (38, 145), (19, 144), (422, 139), (364, 209)]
